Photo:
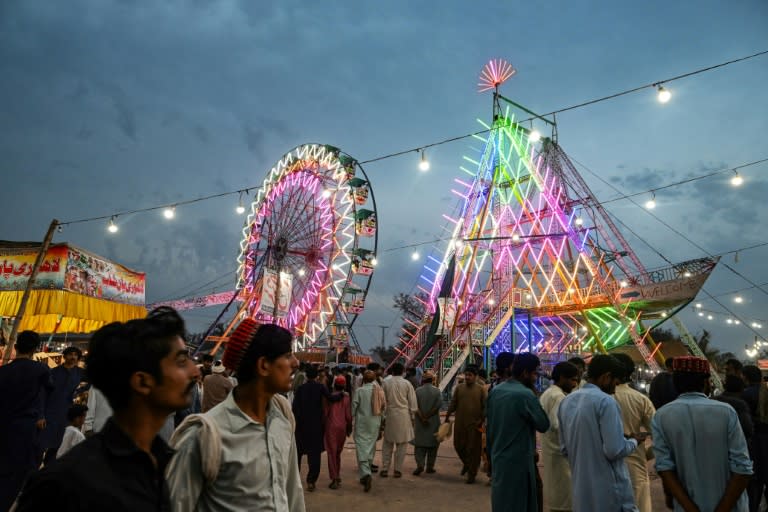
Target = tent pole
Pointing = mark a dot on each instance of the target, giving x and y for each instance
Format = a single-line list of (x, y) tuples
[(28, 290)]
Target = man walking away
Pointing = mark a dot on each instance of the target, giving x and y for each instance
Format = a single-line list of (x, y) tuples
[(514, 416), (144, 369), (216, 387), (469, 405), (338, 426), (701, 453), (23, 385), (66, 378), (636, 413), (398, 427), (73, 435), (592, 438), (733, 389), (662, 389), (308, 404), (428, 399), (367, 425), (557, 472)]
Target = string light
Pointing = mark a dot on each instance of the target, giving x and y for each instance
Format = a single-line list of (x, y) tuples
[(651, 203), (698, 305), (302, 272), (415, 256), (112, 227), (737, 180), (423, 162), (169, 212), (374, 261), (534, 136), (515, 237), (240, 208), (664, 94), (326, 193), (738, 300), (579, 221)]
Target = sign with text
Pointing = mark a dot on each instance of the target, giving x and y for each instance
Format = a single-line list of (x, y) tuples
[(16, 268), (88, 274)]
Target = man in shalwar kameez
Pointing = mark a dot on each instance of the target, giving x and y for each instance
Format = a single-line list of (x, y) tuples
[(514, 416), (592, 437), (398, 425), (429, 399), (468, 402), (556, 471), (338, 425), (366, 427)]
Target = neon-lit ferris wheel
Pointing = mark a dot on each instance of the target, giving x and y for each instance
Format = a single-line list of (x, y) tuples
[(309, 246)]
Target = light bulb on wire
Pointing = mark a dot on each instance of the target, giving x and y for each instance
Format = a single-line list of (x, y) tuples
[(169, 212), (423, 162), (240, 208), (651, 203), (415, 256), (112, 227), (738, 299), (664, 95), (534, 136), (374, 262), (737, 180)]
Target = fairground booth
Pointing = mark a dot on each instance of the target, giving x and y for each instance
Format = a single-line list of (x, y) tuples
[(75, 291)]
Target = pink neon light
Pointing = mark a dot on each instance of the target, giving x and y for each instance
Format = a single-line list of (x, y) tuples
[(493, 74)]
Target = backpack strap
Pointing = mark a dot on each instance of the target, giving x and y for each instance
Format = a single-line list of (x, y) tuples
[(284, 406), (208, 440)]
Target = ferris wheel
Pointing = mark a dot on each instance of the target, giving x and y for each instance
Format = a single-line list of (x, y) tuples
[(309, 245)]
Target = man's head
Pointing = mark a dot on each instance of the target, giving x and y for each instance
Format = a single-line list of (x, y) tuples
[(669, 363), (410, 372), (733, 367), (369, 376), (691, 375), (396, 369), (565, 376), (376, 368), (207, 363), (312, 372), (143, 362), (261, 354), (733, 384), (427, 377), (580, 364), (525, 369), (76, 415), (626, 366), (340, 383), (470, 375), (72, 356), (504, 364), (603, 372), (27, 343), (752, 374)]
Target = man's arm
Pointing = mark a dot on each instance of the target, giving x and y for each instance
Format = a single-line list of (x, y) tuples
[(673, 486), (293, 489), (184, 474), (453, 406), (739, 463), (615, 445), (537, 415)]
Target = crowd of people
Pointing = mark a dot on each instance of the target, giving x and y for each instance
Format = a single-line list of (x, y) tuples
[(160, 432)]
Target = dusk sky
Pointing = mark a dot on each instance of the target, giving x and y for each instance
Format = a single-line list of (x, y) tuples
[(118, 105)]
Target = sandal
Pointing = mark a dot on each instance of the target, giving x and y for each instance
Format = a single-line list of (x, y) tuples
[(398, 474), (383, 474)]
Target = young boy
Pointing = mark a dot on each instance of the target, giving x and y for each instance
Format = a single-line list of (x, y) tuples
[(74, 432)]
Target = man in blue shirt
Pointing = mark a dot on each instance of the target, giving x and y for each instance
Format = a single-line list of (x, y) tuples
[(592, 438), (701, 453)]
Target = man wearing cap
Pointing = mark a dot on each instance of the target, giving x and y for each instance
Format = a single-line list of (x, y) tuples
[(701, 453), (216, 387), (241, 455), (592, 438), (428, 400)]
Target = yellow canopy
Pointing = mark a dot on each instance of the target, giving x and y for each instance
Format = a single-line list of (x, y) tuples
[(63, 311)]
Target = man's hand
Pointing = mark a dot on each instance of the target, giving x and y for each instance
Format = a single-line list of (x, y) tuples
[(640, 437), (40, 424)]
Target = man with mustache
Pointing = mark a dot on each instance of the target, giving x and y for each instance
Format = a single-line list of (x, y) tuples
[(144, 369)]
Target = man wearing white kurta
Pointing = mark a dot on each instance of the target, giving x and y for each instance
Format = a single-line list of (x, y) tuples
[(398, 426), (556, 471), (636, 413)]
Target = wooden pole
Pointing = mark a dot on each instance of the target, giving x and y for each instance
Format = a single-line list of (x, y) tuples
[(28, 290)]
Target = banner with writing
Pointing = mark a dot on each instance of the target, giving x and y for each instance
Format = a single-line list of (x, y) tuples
[(16, 267), (91, 275), (269, 292)]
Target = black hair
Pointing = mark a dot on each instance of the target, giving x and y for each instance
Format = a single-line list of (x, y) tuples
[(752, 373), (737, 365), (602, 364), (410, 371), (207, 358), (397, 369), (668, 363), (564, 369), (734, 384), (312, 372), (118, 350), (76, 411), (578, 362), (626, 367), (270, 342), (690, 382), (373, 366), (69, 350), (504, 361), (471, 368), (27, 342), (482, 373), (525, 362)]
